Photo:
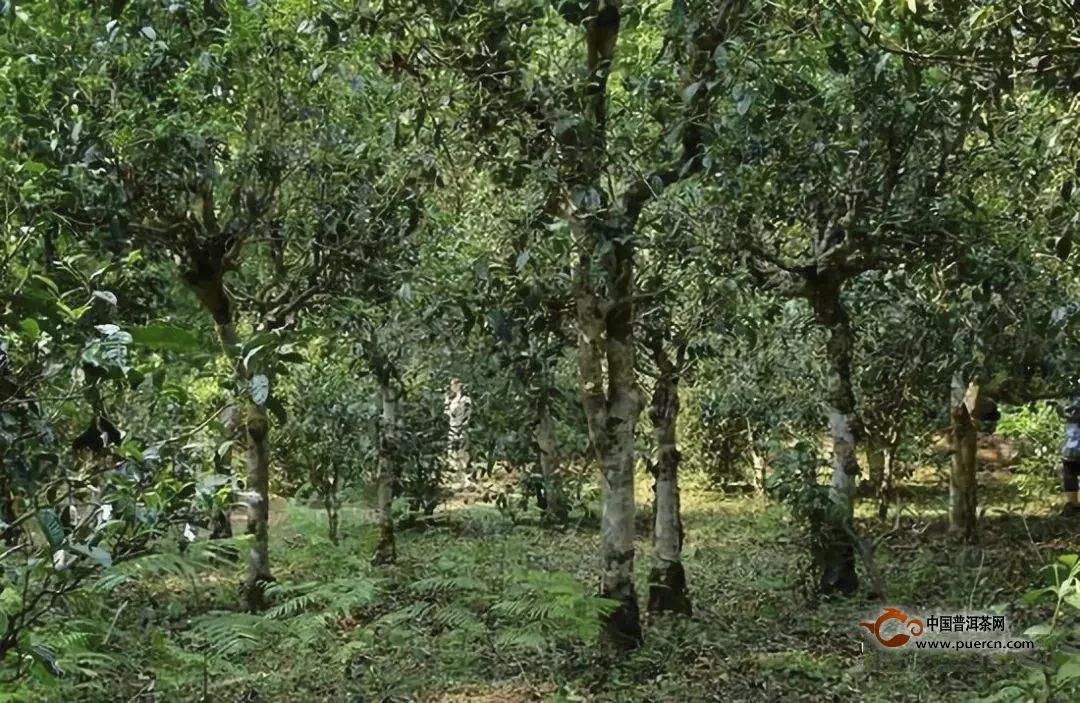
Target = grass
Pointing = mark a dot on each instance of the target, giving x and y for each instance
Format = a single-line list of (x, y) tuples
[(467, 614)]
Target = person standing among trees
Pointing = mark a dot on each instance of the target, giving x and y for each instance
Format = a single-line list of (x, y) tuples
[(1070, 459), (458, 409)]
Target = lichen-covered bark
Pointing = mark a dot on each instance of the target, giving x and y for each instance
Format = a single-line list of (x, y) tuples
[(386, 550), (258, 507), (667, 580), (885, 493), (555, 509), (206, 281), (220, 521), (611, 411), (838, 548), (963, 487)]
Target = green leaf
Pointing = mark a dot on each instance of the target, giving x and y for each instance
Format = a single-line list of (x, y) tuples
[(1069, 670), (163, 337), (34, 168), (51, 527), (1035, 595), (259, 387), (691, 90), (30, 328)]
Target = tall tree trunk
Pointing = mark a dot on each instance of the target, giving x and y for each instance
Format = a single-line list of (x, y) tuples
[(611, 410), (10, 535), (555, 509), (333, 515), (885, 494), (258, 507), (386, 550), (875, 465), (220, 521), (759, 461), (331, 495), (210, 291), (838, 548), (963, 487), (667, 580)]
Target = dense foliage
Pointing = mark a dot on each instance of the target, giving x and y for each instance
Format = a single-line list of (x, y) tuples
[(798, 250)]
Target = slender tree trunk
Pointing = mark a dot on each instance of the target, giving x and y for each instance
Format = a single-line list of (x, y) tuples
[(885, 494), (555, 509), (386, 550), (611, 411), (963, 488), (838, 548), (875, 465), (212, 295), (258, 507), (10, 535), (759, 461), (333, 529), (220, 521), (332, 505), (667, 580)]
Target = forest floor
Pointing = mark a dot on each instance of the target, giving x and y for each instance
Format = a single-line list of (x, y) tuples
[(752, 636)]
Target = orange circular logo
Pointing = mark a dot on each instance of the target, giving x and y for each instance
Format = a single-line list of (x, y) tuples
[(914, 627)]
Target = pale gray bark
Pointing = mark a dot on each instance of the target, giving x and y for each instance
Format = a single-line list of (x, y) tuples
[(256, 429), (667, 580), (838, 556), (759, 461), (258, 506), (611, 413), (220, 521)]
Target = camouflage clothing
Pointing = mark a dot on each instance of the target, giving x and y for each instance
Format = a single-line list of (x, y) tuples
[(1070, 451), (458, 410)]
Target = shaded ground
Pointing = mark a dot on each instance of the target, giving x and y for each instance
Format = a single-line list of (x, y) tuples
[(752, 636)]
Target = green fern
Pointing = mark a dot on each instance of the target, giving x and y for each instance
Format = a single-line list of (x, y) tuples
[(227, 634), (200, 557), (334, 599), (545, 606), (447, 585)]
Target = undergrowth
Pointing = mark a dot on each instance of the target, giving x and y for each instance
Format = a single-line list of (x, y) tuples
[(482, 605)]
